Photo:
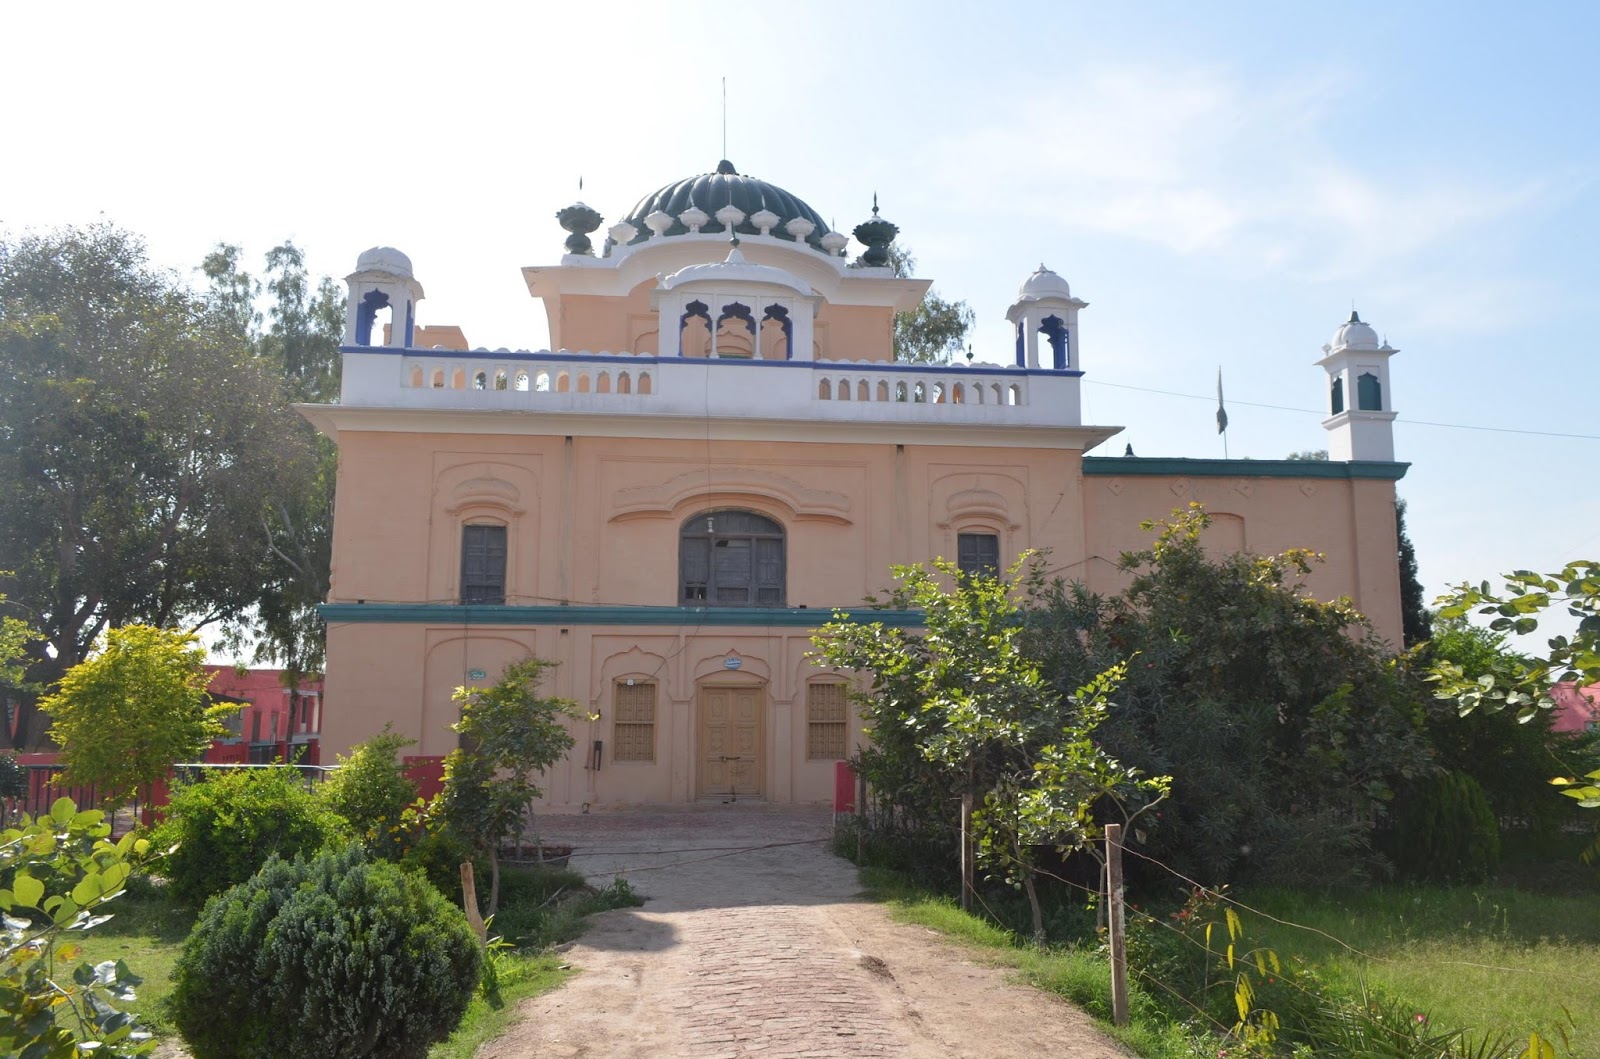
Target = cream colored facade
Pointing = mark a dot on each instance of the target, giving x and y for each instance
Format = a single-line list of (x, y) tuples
[(781, 409)]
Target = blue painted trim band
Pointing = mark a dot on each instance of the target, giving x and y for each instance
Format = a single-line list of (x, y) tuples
[(828, 366), (477, 614), (1174, 467)]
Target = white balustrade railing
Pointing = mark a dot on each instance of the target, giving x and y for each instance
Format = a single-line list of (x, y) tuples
[(646, 384)]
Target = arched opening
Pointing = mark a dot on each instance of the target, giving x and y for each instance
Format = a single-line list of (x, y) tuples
[(602, 384), (883, 390), (1022, 345), (844, 389), (900, 393), (824, 390), (480, 380), (372, 314), (624, 383), (731, 559), (522, 380), (563, 382), (978, 390), (583, 382), (644, 382), (1014, 395), (1337, 395), (458, 379), (736, 333), (919, 392), (1369, 393), (694, 330), (500, 380), (416, 378), (438, 379), (958, 394), (1056, 332), (777, 333), (938, 393), (541, 382), (863, 391)]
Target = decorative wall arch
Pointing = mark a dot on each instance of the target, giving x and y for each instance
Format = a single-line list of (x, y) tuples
[(788, 499)]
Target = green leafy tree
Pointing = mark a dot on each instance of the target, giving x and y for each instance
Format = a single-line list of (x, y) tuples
[(372, 792), (1416, 624), (936, 330), (56, 873), (297, 336), (1523, 684), (125, 716), (1283, 721), (142, 441), (958, 709), (509, 735)]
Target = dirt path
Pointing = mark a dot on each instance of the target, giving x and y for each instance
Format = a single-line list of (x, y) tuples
[(768, 952)]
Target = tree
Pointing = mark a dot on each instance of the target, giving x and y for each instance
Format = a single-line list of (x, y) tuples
[(509, 735), (1283, 721), (1416, 624), (297, 337), (1524, 683), (126, 715), (141, 440), (936, 330), (1310, 455), (958, 711)]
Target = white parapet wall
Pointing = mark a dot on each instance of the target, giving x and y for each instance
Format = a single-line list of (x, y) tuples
[(832, 390)]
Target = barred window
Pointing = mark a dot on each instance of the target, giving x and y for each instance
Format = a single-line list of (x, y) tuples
[(634, 722), (978, 553), (827, 715)]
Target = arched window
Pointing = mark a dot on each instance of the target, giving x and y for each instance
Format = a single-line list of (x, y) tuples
[(1056, 331), (731, 559), (1338, 395), (1369, 393)]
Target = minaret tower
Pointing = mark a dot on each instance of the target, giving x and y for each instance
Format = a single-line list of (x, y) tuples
[(1361, 421), (1045, 306), (382, 279)]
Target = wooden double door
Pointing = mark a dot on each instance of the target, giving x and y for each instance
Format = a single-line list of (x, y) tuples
[(732, 741)]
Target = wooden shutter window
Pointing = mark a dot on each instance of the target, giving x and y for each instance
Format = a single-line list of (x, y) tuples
[(978, 553), (827, 716), (634, 723), (731, 559), (483, 564)]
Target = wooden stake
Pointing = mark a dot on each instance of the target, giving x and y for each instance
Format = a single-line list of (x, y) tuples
[(966, 853), (1119, 942), (861, 818)]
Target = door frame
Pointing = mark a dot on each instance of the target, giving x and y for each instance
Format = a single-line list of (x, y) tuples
[(763, 757)]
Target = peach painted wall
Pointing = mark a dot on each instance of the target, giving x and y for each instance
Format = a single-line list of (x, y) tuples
[(1352, 522)]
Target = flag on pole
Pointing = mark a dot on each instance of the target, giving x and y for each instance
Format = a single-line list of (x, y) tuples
[(1222, 413)]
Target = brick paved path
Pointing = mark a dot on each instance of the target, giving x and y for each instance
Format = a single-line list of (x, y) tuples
[(742, 951)]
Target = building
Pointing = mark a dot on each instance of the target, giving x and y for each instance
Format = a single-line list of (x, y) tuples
[(274, 722), (730, 454)]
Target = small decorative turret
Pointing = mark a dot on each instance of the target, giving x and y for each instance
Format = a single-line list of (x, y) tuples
[(1360, 424), (580, 220), (1045, 306), (382, 280), (876, 235)]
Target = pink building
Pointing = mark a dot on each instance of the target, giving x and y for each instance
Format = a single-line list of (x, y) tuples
[(721, 451), (1577, 709), (277, 723)]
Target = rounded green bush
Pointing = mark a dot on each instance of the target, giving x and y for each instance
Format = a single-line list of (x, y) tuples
[(1445, 832), (220, 831), (330, 957)]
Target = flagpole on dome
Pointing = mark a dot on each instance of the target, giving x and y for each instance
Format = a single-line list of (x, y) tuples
[(1222, 415)]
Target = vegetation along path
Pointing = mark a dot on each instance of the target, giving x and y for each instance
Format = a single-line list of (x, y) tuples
[(754, 941)]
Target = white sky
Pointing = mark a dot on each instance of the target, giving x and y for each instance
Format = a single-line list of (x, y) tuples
[(1220, 182)]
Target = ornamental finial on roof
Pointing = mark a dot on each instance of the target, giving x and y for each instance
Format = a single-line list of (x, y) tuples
[(874, 203)]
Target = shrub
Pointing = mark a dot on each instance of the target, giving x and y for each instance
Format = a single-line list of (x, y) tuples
[(343, 956), (219, 832), (371, 791), (1445, 832)]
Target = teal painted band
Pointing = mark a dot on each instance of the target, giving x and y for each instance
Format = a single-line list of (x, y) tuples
[(477, 614), (1174, 467)]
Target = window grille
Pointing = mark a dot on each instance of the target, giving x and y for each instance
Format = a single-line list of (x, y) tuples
[(634, 723), (827, 715)]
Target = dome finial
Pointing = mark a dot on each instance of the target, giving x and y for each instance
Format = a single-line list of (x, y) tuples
[(874, 203), (1355, 318), (725, 168)]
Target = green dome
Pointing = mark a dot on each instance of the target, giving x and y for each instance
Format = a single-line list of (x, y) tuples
[(711, 192)]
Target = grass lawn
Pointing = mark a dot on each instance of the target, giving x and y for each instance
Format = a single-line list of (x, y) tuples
[(1486, 958), (1496, 958), (538, 909)]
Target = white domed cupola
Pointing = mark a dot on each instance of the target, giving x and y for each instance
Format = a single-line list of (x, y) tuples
[(1360, 421), (1045, 306), (382, 280)]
